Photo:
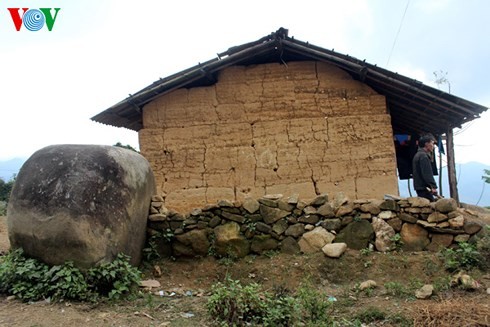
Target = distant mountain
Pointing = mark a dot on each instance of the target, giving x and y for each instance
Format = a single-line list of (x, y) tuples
[(472, 189), (470, 184), (10, 168)]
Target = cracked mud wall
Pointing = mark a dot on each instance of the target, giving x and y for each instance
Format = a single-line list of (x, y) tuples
[(305, 128)]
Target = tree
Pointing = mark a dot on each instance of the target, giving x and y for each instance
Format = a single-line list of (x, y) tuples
[(6, 188), (127, 146), (486, 177)]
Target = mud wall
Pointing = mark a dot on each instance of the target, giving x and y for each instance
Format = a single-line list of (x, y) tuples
[(306, 128)]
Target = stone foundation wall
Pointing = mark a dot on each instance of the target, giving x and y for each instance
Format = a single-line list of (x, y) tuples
[(305, 128), (291, 225)]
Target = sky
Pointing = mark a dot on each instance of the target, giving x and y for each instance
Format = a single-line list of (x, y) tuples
[(99, 52)]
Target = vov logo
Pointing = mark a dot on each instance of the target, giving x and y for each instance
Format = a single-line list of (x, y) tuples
[(33, 19)]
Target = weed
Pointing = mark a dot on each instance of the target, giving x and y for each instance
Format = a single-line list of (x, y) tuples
[(368, 264), (366, 251), (232, 304), (114, 279), (397, 242), (465, 257), (31, 280), (371, 314), (270, 253), (150, 251), (396, 289), (442, 284)]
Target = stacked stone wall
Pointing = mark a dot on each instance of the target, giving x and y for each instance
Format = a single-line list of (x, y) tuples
[(305, 128), (290, 225)]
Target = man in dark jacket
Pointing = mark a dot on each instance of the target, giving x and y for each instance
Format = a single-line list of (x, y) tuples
[(423, 178)]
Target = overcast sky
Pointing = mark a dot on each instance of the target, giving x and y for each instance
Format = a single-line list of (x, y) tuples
[(98, 52)]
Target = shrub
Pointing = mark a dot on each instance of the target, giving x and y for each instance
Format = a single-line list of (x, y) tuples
[(31, 280), (466, 256), (232, 304)]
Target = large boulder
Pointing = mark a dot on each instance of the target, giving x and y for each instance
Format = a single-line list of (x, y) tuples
[(356, 235), (81, 203)]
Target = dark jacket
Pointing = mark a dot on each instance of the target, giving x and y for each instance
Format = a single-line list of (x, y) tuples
[(422, 171)]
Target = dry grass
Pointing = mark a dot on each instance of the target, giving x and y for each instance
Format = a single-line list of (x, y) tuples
[(459, 311)]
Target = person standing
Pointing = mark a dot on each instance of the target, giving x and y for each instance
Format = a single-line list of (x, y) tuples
[(423, 177)]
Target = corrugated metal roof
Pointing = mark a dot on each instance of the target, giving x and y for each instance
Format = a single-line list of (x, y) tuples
[(415, 108)]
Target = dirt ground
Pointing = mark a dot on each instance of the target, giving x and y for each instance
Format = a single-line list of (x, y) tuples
[(185, 285)]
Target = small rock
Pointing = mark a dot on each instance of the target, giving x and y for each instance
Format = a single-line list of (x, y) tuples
[(425, 292), (334, 250), (11, 297), (464, 280), (367, 284), (456, 222), (488, 291), (157, 271), (386, 214), (251, 205), (149, 283), (320, 200), (293, 199), (446, 205), (272, 196)]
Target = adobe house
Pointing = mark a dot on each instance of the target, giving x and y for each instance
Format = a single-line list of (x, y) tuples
[(279, 115)]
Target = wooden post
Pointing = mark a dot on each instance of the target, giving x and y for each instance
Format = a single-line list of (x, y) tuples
[(451, 166), (440, 172)]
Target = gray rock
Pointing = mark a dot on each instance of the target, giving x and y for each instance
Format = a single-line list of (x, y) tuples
[(326, 210), (471, 227), (370, 208), (439, 242), (271, 215), (295, 230), (289, 246), (280, 227), (215, 221), (309, 210), (262, 243), (437, 217), (356, 235), (263, 228), (332, 224), (285, 206), (418, 202), (320, 200), (293, 199), (407, 218), (309, 219), (251, 205), (339, 200), (396, 224), (446, 205), (345, 210), (384, 235), (389, 204), (225, 204), (456, 222), (229, 242), (233, 217), (81, 203), (268, 202)]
